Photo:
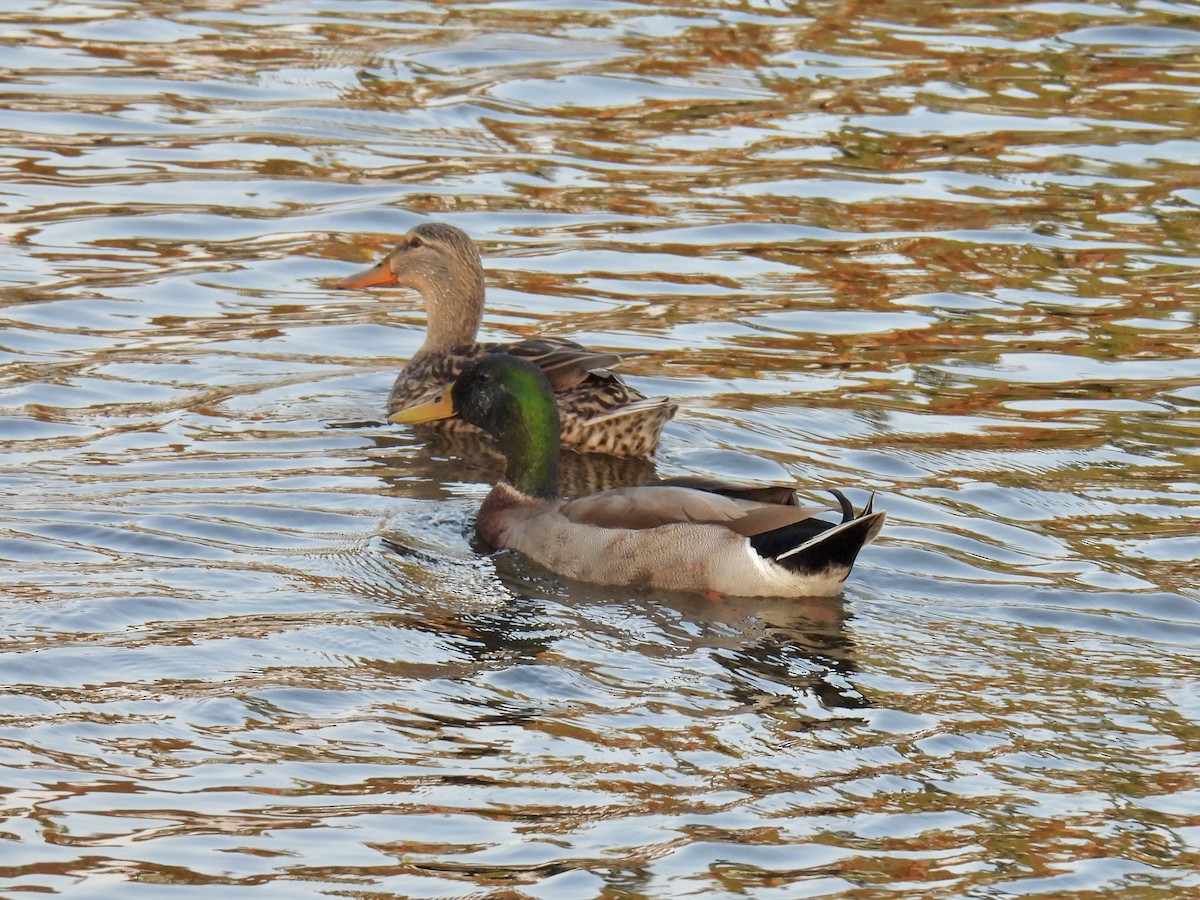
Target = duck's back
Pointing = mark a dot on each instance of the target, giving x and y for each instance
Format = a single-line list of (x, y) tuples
[(599, 412)]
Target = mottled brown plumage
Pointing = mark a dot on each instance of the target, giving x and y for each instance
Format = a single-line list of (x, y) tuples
[(600, 413)]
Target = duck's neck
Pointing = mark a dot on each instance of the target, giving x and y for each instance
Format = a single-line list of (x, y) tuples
[(453, 310), (530, 446)]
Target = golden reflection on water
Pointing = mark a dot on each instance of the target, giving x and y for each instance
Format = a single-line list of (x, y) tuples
[(942, 252)]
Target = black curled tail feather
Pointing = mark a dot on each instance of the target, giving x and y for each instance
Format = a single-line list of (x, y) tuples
[(814, 546), (847, 507)]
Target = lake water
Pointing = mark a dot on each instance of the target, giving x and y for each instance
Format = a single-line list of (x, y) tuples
[(943, 252)]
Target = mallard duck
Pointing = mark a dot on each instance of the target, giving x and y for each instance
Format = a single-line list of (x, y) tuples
[(600, 413), (689, 535)]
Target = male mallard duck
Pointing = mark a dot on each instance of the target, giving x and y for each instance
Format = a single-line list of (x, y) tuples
[(691, 535), (599, 412)]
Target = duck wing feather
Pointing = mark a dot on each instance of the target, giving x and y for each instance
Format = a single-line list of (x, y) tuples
[(566, 364), (779, 494), (650, 506)]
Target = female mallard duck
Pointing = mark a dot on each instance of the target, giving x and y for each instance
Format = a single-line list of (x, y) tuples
[(691, 535), (599, 412)]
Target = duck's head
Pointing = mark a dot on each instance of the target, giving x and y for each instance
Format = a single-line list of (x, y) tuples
[(428, 258), (441, 263), (510, 399)]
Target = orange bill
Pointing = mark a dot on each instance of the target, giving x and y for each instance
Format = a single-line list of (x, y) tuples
[(440, 408), (376, 275)]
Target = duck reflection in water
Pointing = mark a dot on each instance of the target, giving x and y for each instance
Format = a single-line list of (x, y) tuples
[(783, 652), (434, 465), (759, 653)]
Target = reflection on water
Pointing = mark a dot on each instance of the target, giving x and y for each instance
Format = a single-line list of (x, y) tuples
[(945, 253)]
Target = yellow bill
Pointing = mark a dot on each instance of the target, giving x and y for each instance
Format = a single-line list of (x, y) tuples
[(440, 408)]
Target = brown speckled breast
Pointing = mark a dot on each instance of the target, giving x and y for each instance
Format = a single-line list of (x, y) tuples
[(634, 433)]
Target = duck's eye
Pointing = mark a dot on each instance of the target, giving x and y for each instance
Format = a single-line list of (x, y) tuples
[(415, 242)]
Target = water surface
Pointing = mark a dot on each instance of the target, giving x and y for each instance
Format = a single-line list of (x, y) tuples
[(946, 254)]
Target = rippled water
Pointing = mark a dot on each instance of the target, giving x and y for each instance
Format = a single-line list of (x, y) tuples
[(945, 253)]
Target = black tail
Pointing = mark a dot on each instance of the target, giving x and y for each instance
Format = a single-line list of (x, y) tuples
[(814, 546)]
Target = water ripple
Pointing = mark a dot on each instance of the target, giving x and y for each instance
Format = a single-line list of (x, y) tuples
[(945, 255)]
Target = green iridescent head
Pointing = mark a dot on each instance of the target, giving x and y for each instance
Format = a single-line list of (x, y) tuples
[(512, 401)]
